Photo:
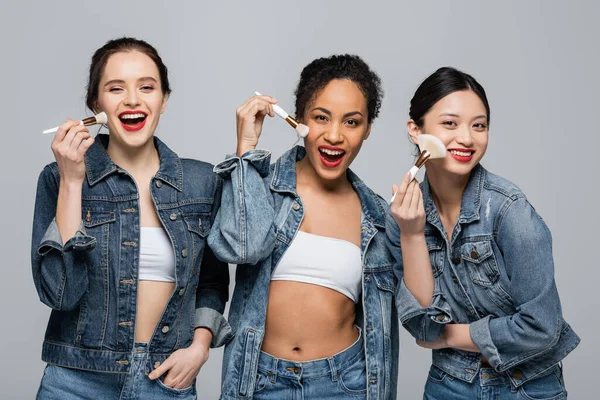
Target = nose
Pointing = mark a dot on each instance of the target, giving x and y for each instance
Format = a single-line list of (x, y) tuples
[(131, 98), (464, 137), (333, 135)]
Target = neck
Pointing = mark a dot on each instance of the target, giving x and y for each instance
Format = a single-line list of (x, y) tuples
[(446, 191), (136, 161), (307, 176)]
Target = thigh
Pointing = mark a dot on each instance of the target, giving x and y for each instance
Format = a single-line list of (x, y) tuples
[(270, 387), (60, 383), (441, 386)]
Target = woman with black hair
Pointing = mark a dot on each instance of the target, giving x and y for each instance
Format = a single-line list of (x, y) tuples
[(312, 310), (474, 261)]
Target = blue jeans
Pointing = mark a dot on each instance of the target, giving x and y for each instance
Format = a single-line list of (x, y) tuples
[(341, 376), (491, 385), (59, 383)]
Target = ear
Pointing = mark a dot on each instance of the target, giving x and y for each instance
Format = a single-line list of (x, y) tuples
[(413, 131), (96, 109), (163, 107), (367, 132)]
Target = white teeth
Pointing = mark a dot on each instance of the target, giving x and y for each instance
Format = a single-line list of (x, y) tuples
[(133, 116), (461, 153), (332, 152)]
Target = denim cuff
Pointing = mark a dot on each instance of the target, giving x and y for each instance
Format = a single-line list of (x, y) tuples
[(259, 159), (215, 322), (482, 337), (425, 324), (52, 240)]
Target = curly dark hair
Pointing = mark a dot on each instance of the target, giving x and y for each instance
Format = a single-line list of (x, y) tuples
[(316, 75)]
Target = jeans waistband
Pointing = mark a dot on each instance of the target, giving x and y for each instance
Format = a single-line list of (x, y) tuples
[(140, 349), (306, 369)]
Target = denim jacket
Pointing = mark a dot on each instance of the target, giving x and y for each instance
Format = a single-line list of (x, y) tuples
[(91, 281), (496, 274), (259, 216)]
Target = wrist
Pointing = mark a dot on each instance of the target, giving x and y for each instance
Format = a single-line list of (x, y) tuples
[(244, 147)]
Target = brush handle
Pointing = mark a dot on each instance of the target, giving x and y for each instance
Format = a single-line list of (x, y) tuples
[(413, 172), (278, 110), (53, 130)]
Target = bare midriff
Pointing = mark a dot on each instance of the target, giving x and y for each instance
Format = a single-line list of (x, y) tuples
[(307, 322), (152, 299)]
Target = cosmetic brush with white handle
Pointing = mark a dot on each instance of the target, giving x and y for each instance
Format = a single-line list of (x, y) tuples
[(99, 118), (301, 129), (431, 147)]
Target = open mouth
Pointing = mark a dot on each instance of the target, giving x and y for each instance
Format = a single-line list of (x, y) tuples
[(133, 120), (331, 157), (462, 155)]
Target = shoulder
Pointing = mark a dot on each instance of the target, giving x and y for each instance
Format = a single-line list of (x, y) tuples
[(501, 186)]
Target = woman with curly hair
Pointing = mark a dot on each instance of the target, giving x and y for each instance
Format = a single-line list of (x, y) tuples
[(312, 310)]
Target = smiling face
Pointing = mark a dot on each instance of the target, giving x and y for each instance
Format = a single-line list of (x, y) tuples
[(460, 121), (338, 122), (130, 94)]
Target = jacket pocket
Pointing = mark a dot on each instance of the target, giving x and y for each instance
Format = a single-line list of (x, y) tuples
[(481, 263), (435, 246)]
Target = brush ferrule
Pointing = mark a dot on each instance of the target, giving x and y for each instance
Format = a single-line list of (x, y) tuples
[(425, 155), (292, 121), (89, 121)]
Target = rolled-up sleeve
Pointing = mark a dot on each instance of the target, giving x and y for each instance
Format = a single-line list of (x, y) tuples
[(425, 324), (59, 271), (526, 246), (243, 230)]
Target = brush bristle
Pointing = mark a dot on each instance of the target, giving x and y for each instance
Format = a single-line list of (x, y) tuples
[(101, 118), (433, 145), (302, 130)]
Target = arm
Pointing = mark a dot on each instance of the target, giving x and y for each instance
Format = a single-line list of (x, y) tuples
[(422, 312), (526, 246), (243, 229), (59, 270)]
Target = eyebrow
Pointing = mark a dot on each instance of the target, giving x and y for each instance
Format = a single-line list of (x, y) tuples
[(348, 114), (458, 116), (121, 81)]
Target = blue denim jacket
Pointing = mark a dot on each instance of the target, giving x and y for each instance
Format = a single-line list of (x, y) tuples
[(496, 274), (259, 216), (90, 282)]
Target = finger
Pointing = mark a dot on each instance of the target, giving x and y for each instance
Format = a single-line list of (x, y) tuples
[(268, 98), (395, 188), (63, 129), (158, 372), (78, 139), (253, 107), (83, 148), (401, 190), (72, 133), (414, 196), (407, 197), (421, 207)]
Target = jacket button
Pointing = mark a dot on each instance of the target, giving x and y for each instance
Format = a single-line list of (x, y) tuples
[(296, 206), (181, 291), (440, 317), (165, 329), (158, 183), (184, 252), (518, 374), (474, 253), (173, 217), (456, 260), (454, 279), (156, 364)]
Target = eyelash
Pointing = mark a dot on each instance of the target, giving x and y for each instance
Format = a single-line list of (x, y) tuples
[(145, 87)]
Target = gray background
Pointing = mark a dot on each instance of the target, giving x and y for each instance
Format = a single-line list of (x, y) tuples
[(538, 62)]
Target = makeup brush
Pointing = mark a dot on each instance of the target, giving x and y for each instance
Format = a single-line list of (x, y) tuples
[(300, 128), (99, 118), (431, 147)]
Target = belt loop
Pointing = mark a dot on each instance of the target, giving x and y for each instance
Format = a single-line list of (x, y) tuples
[(334, 371), (274, 370)]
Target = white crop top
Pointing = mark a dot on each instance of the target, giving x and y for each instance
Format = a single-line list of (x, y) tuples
[(157, 260), (323, 261)]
